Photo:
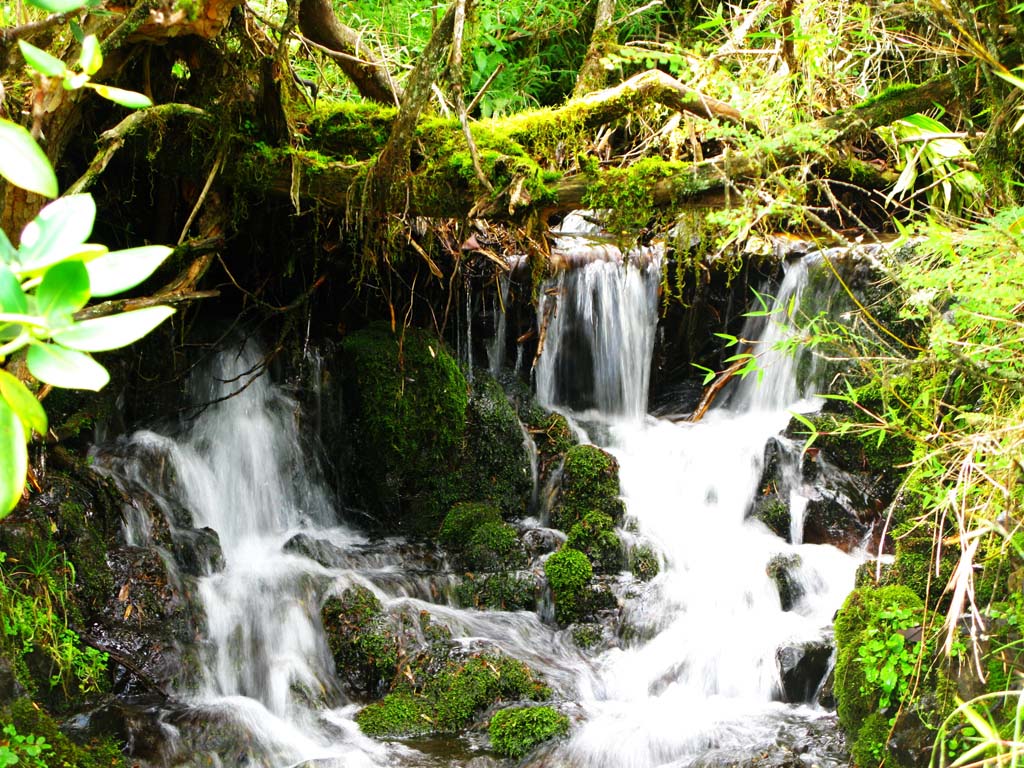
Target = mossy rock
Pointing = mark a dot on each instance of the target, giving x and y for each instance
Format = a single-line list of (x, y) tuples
[(780, 570), (569, 574), (365, 651), (644, 563), (856, 697), (774, 513), (445, 693), (27, 718), (595, 536), (499, 591), (495, 467), (914, 564), (515, 732), (405, 399), (590, 483), (479, 540)]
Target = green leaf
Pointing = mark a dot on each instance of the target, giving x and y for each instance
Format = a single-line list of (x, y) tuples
[(8, 253), (113, 331), (120, 270), (130, 99), (23, 162), (13, 458), (63, 291), (41, 61), (65, 367), (12, 298), (53, 235), (24, 403), (91, 57), (58, 6)]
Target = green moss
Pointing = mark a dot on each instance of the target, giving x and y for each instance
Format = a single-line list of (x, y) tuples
[(440, 694), (857, 699), (644, 563), (569, 573), (495, 467), (365, 652), (397, 715), (595, 536), (463, 519), (499, 591), (406, 401), (96, 753), (590, 483), (515, 732), (586, 635), (355, 129), (775, 514), (492, 547)]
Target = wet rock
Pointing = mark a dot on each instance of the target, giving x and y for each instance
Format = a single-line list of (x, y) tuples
[(802, 667), (197, 551), (828, 519), (542, 541), (137, 723), (780, 570), (771, 502), (365, 649)]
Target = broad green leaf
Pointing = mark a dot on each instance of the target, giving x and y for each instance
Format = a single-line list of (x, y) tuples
[(113, 331), (63, 291), (120, 270), (65, 367), (13, 458), (8, 253), (91, 57), (130, 99), (24, 403), (74, 80), (23, 162), (55, 233), (41, 61), (12, 298), (58, 6)]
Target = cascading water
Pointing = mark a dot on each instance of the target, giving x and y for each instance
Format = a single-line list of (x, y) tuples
[(708, 677), (702, 674)]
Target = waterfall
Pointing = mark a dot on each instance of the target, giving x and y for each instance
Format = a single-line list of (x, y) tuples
[(708, 677)]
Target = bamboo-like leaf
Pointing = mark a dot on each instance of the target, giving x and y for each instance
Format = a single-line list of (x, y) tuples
[(113, 331), (13, 458), (24, 403), (66, 368), (130, 99), (120, 270), (41, 61), (23, 162)]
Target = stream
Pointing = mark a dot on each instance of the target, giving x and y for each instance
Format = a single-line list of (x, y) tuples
[(695, 682)]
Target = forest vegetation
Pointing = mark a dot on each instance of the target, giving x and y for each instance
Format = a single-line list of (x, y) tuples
[(309, 166)]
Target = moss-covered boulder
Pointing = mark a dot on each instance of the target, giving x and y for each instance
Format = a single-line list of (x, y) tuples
[(365, 650), (644, 563), (515, 732), (445, 694), (405, 403), (590, 483), (479, 540), (28, 720), (569, 574), (495, 467), (594, 535), (498, 591)]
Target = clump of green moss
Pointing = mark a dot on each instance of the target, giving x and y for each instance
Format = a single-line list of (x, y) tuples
[(569, 573), (514, 732), (644, 563), (479, 540), (590, 483), (27, 718), (499, 591), (594, 535), (365, 651), (442, 694), (406, 405), (586, 635), (495, 466)]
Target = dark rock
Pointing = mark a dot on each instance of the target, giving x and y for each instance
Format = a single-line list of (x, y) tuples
[(802, 667), (780, 570), (828, 519), (197, 551), (10, 688), (541, 541)]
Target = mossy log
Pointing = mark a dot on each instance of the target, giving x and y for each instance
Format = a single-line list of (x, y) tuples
[(443, 184)]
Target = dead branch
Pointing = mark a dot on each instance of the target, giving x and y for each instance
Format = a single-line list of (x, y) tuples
[(712, 390)]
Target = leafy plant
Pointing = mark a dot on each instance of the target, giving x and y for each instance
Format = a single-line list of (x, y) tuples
[(26, 750), (888, 661)]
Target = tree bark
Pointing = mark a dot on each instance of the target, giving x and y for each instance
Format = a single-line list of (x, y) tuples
[(318, 22), (592, 74)]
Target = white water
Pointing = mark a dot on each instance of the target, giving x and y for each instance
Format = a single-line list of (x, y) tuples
[(708, 677), (705, 680)]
